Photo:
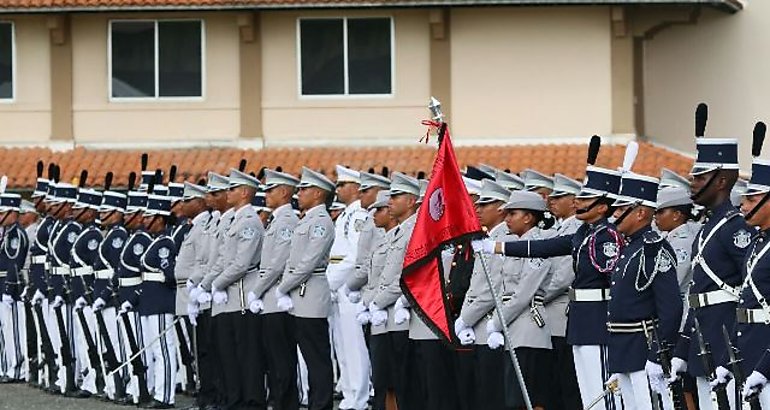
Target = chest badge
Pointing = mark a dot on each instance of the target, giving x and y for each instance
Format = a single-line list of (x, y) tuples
[(138, 249), (117, 243), (610, 249)]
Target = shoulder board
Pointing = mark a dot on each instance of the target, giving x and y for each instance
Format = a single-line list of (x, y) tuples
[(732, 213), (652, 237)]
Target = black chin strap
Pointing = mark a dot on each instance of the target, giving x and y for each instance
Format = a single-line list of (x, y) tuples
[(625, 213), (590, 207), (703, 190), (758, 206)]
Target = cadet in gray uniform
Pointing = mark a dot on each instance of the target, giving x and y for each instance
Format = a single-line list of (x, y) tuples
[(470, 327), (387, 305), (561, 203), (304, 290), (278, 338), (240, 250)]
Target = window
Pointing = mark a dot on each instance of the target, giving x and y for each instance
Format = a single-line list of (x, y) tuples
[(346, 56), (156, 59), (6, 60)]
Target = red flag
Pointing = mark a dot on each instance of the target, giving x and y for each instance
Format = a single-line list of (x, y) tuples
[(446, 215)]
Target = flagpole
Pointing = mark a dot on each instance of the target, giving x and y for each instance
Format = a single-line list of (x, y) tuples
[(506, 335)]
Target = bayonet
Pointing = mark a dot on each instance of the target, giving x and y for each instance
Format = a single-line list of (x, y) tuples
[(719, 394)]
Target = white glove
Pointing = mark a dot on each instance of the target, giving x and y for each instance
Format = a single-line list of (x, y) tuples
[(379, 317), (126, 307), (220, 296), (57, 301), (37, 297), (284, 301), (194, 292), (24, 293), (193, 319), (203, 296), (7, 299), (614, 380), (333, 296), (401, 315), (192, 312), (658, 382), (460, 326), (354, 296), (99, 304), (677, 366), (754, 383), (722, 377), (363, 317), (190, 285), (256, 305), (485, 246), (80, 303), (402, 303), (495, 340), (493, 325), (467, 336)]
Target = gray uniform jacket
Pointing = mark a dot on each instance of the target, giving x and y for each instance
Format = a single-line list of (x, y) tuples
[(241, 250), (275, 253), (523, 279), (202, 257), (556, 297), (217, 249), (388, 288), (478, 301), (375, 268), (368, 241), (187, 260), (304, 278), (681, 239)]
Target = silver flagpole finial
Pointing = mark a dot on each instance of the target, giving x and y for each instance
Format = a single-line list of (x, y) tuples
[(435, 108)]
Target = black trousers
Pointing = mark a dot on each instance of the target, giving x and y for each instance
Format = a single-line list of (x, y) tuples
[(313, 340), (400, 369), (489, 385), (566, 394), (535, 367), (464, 369), (432, 364), (280, 347), (240, 359), (381, 357), (208, 365)]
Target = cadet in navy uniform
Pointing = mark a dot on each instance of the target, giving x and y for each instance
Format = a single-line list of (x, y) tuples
[(644, 295), (753, 315), (718, 254), (278, 336), (106, 284), (561, 204), (81, 262), (595, 249), (157, 303), (14, 245), (757, 380), (304, 291), (180, 228), (470, 326)]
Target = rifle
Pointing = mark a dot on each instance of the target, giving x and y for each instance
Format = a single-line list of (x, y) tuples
[(67, 360), (29, 322), (139, 369), (93, 353), (735, 366), (49, 355), (676, 388), (187, 357), (110, 358), (722, 401)]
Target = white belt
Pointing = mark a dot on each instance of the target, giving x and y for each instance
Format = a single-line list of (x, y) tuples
[(61, 270), (589, 295), (153, 277), (715, 297), (753, 316), (82, 271), (39, 259), (126, 282), (104, 274)]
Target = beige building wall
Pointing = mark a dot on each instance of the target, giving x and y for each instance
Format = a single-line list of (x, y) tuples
[(289, 118), (27, 119), (531, 73), (97, 119), (723, 61)]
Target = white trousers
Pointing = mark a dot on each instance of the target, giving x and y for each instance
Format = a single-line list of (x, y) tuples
[(14, 340), (56, 341), (635, 390), (351, 353), (592, 372), (704, 394), (82, 359), (160, 356)]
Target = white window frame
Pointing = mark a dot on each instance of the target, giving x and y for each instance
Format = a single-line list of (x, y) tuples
[(346, 94), (157, 96), (13, 64)]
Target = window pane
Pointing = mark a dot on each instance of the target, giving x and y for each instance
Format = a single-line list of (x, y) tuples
[(133, 59), (322, 58), (179, 56), (6, 60), (369, 56)]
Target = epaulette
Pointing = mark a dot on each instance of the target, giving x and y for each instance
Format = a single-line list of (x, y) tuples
[(652, 237), (732, 213)]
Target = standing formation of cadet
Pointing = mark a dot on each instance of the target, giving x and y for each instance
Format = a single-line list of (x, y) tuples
[(268, 290)]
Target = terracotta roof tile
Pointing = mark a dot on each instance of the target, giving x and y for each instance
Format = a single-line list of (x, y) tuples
[(193, 164)]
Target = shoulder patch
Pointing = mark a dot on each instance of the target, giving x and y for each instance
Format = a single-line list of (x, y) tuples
[(15, 243), (359, 225), (318, 231), (138, 249), (741, 238), (285, 233), (117, 243), (248, 232), (93, 244), (664, 263)]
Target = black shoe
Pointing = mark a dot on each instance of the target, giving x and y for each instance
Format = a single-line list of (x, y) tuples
[(124, 401), (5, 380), (78, 394), (52, 390), (157, 405)]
